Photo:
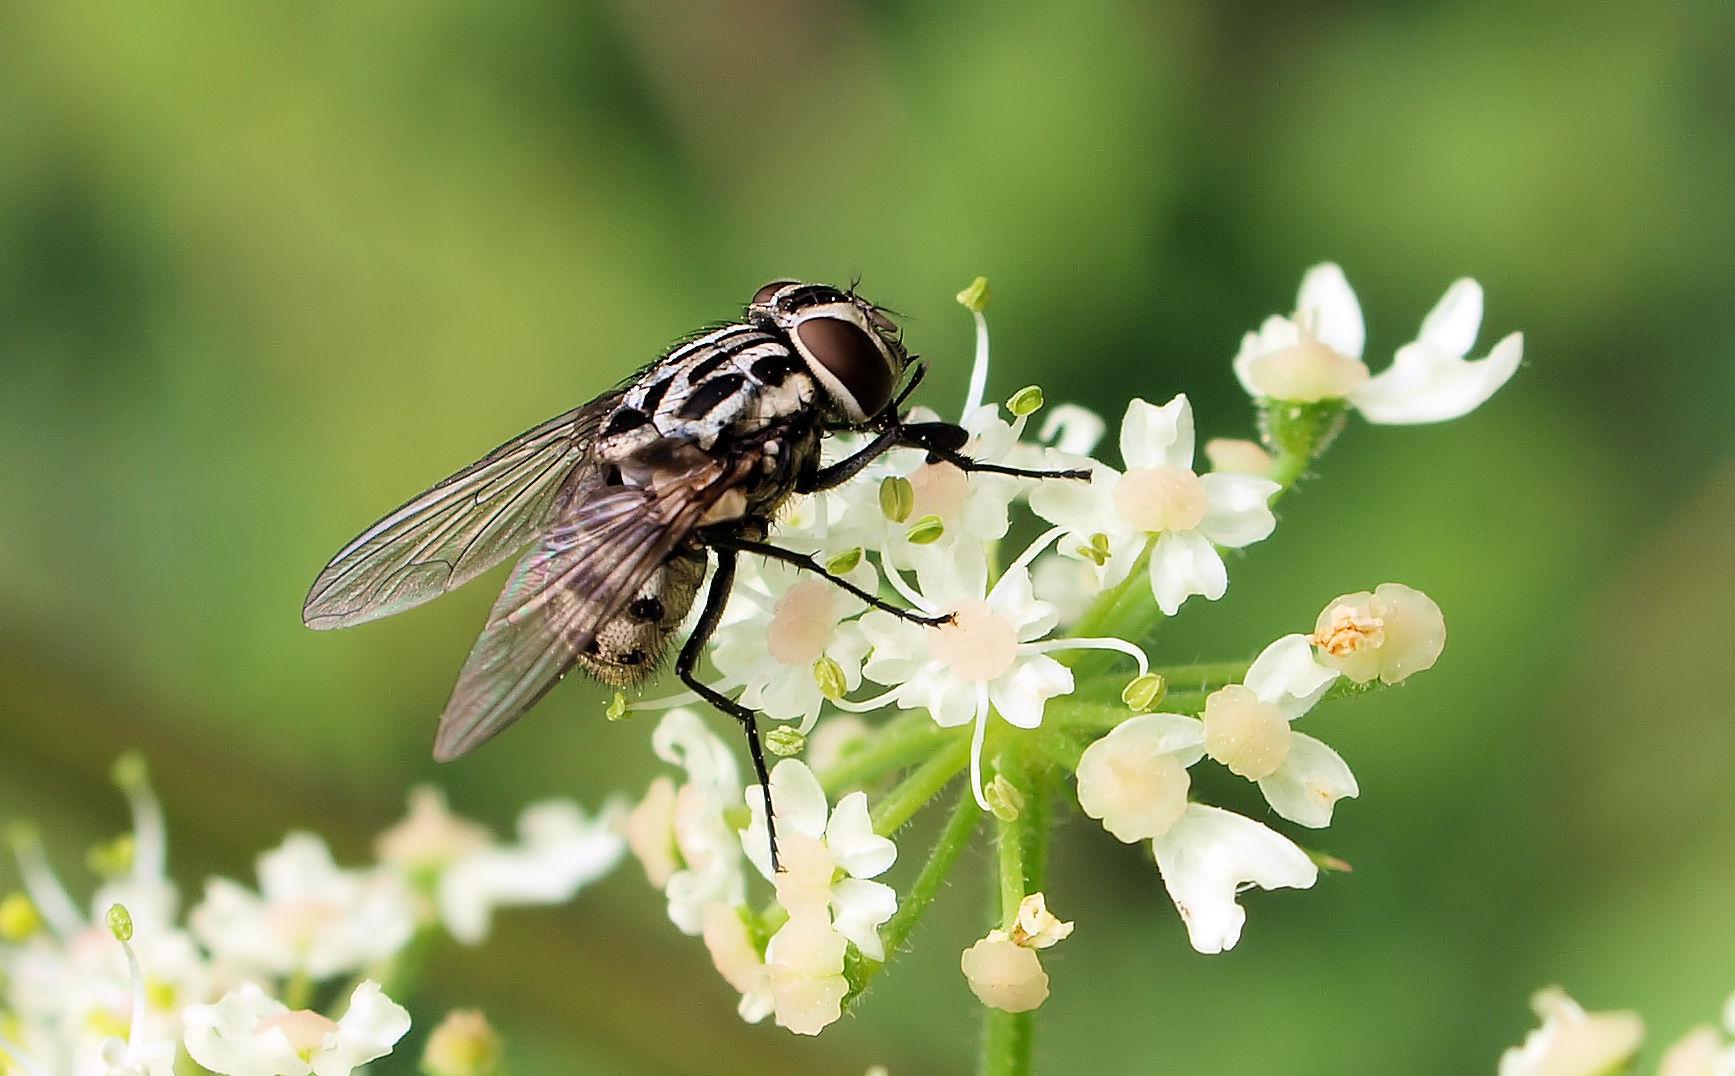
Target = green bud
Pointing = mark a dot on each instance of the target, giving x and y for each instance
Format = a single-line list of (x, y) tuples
[(897, 498), (784, 741), (1300, 429), (464, 1044), (1026, 401), (19, 918), (828, 674), (130, 771), (1144, 692), (618, 710), (120, 922), (925, 531), (975, 297), (1005, 802), (845, 562), (113, 859)]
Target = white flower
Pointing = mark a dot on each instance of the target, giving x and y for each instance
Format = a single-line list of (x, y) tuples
[(1005, 975), (1703, 1051), (1159, 502), (737, 959), (560, 851), (827, 855), (804, 964), (1391, 633), (249, 1033), (1036, 927), (1247, 730), (309, 916), (692, 829), (1572, 1042), (790, 623), (1135, 779), (988, 656), (430, 838), (1209, 855), (1317, 355)]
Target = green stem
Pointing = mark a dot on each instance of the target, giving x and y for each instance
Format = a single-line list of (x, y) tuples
[(1203, 675), (922, 892), (1007, 1038), (1022, 853), (912, 736), (915, 791)]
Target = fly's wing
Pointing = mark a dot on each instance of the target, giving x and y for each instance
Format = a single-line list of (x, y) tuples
[(578, 578), (457, 530)]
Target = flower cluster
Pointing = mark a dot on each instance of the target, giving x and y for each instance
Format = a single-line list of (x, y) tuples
[(1038, 674), (129, 990), (1573, 1042)]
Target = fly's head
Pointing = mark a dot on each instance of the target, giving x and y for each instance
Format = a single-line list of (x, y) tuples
[(852, 349)]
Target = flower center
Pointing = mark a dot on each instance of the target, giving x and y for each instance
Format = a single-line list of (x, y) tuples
[(804, 882), (1248, 736), (1350, 632), (979, 644), (306, 1030), (1161, 498), (802, 622), (940, 490), (1306, 372)]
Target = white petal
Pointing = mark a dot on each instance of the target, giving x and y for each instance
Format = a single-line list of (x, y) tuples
[(1285, 673), (1084, 507), (371, 1027), (1311, 780), (221, 1036), (1426, 384), (798, 800), (1452, 325), (1239, 512), (1014, 597), (1154, 436), (1073, 429), (1205, 859), (858, 907), (1327, 305), (562, 851), (1021, 694), (853, 843), (1183, 565), (682, 739)]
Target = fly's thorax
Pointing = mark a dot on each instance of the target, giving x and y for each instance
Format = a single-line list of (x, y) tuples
[(852, 349), (730, 383)]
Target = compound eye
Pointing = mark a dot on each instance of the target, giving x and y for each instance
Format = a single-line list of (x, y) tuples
[(852, 357), (763, 295)]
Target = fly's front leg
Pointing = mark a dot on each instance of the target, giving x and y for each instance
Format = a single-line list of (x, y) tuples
[(716, 597), (944, 440), (806, 563)]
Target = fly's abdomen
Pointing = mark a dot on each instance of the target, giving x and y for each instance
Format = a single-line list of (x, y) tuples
[(629, 645)]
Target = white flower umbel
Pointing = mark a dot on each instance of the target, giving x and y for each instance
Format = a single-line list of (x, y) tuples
[(1316, 355), (1161, 503), (992, 656), (793, 645), (310, 916), (560, 851), (682, 836), (249, 1033), (1209, 855), (1247, 730), (1387, 634), (827, 855), (1572, 1042)]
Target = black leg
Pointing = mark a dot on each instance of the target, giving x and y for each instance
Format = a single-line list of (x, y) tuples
[(845, 469), (716, 597), (807, 563), (942, 441)]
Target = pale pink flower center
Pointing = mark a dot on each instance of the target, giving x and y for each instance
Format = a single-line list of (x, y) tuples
[(1306, 372), (941, 490), (306, 1030), (979, 644), (1248, 736), (1137, 791), (802, 622), (804, 883), (1157, 499), (302, 920)]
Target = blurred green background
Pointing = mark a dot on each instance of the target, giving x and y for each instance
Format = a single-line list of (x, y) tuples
[(268, 269)]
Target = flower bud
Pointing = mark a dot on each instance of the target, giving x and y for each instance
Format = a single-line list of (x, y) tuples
[(1248, 736), (1005, 975), (1133, 780), (1230, 455), (464, 1044)]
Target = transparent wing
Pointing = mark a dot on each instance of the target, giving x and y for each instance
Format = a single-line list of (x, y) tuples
[(563, 591), (457, 530)]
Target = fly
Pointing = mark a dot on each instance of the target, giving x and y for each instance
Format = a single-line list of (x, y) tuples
[(624, 501)]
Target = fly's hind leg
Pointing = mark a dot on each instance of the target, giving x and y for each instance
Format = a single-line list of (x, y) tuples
[(716, 597), (738, 544)]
